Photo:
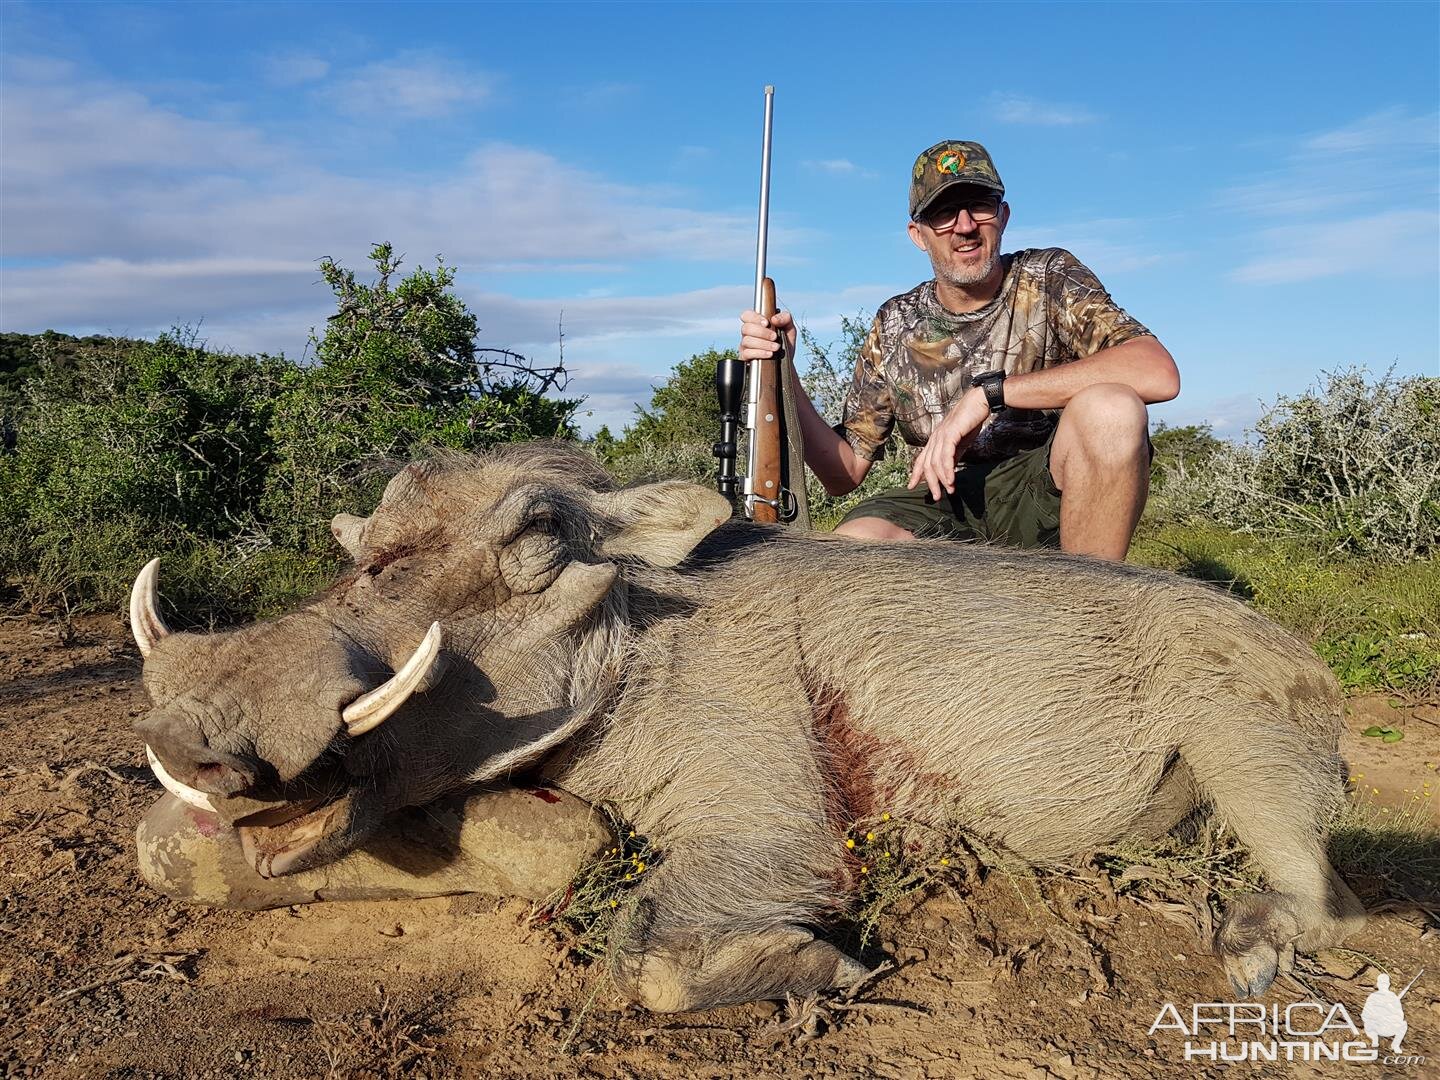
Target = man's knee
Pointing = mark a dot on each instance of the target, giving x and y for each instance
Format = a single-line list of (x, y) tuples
[(873, 528), (1105, 410), (1108, 423)]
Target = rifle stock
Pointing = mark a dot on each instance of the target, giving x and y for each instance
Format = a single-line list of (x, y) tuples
[(767, 449)]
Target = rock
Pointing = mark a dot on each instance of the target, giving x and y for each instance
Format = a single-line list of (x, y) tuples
[(498, 841), (1339, 964)]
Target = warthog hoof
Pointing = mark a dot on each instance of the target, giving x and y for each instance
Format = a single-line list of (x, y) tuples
[(501, 842), (697, 972), (1256, 942)]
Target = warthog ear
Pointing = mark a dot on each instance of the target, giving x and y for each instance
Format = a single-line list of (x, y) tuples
[(661, 523), (349, 530)]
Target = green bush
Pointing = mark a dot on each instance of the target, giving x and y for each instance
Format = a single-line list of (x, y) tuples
[(397, 371), (1180, 451), (674, 436), (1353, 463), (127, 451), (231, 466)]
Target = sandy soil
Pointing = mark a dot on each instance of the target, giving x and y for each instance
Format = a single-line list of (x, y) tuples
[(101, 977)]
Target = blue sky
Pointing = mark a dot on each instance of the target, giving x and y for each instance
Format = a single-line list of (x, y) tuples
[(1257, 183)]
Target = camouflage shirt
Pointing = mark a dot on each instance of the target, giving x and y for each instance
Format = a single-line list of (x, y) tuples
[(920, 358)]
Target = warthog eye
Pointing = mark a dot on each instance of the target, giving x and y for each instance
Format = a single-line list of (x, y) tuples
[(532, 560)]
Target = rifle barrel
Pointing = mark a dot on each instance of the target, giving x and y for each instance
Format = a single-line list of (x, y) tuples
[(1411, 983), (763, 233)]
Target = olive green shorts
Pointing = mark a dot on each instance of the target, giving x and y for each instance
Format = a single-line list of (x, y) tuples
[(1013, 502)]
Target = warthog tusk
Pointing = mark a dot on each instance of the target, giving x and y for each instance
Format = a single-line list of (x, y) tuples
[(169, 783), (145, 621), (371, 710)]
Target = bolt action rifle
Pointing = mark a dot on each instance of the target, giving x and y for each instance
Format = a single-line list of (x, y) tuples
[(774, 489)]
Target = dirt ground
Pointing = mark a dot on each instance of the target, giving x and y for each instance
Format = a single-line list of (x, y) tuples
[(1055, 977)]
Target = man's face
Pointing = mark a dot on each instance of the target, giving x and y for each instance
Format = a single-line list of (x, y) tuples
[(962, 250)]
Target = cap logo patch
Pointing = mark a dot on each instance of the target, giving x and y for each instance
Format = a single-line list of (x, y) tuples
[(950, 161)]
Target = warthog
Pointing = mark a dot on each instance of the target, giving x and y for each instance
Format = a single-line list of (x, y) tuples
[(744, 695)]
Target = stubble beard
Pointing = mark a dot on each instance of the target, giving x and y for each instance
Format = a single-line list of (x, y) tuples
[(966, 278)]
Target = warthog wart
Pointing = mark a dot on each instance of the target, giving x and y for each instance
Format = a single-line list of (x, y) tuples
[(743, 696)]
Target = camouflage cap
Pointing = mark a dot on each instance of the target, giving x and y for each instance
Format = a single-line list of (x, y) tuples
[(945, 164)]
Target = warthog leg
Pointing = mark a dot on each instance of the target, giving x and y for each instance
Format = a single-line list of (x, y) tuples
[(1261, 934), (703, 970), (1277, 804)]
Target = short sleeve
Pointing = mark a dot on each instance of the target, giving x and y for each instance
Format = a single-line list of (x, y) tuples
[(869, 411), (1082, 313)]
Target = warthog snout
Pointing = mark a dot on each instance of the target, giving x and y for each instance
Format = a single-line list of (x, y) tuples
[(189, 761)]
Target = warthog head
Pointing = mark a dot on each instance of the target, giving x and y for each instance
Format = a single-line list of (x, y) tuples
[(482, 626)]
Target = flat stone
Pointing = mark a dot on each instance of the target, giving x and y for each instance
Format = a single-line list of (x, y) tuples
[(525, 842)]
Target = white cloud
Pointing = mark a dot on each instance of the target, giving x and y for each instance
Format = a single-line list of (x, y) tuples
[(59, 129), (124, 216), (1384, 131), (1015, 109), (838, 166), (1358, 198), (602, 96), (1378, 162), (1397, 243), (293, 68), (93, 170), (412, 85)]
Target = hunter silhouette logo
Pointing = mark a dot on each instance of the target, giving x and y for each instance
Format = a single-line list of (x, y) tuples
[(1383, 1017), (950, 161)]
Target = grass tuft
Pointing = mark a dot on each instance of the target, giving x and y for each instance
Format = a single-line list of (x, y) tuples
[(589, 908)]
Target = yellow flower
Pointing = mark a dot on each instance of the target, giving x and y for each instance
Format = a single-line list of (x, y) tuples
[(629, 876), (944, 862), (639, 867), (886, 855), (885, 816), (869, 836), (1375, 791), (864, 869), (614, 903), (849, 843), (632, 832)]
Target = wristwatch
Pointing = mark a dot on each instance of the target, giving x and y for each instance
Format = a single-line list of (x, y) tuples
[(993, 383)]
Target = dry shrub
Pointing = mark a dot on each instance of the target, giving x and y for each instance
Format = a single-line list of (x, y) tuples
[(1353, 464)]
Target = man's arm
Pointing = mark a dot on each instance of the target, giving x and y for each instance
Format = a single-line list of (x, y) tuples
[(828, 454), (1141, 363)]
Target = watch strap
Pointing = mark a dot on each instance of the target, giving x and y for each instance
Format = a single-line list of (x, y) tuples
[(993, 384)]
